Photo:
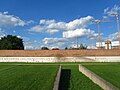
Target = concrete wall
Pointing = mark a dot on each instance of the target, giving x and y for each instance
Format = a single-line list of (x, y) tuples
[(61, 59), (57, 79), (96, 79), (104, 58)]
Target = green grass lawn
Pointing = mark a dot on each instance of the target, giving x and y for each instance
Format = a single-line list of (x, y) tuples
[(41, 76), (32, 77), (109, 72), (72, 79)]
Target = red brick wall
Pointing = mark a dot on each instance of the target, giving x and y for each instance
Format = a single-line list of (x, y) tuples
[(58, 53)]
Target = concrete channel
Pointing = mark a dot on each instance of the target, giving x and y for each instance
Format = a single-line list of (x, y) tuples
[(57, 79), (97, 79)]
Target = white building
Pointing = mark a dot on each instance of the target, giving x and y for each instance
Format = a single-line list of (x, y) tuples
[(108, 44)]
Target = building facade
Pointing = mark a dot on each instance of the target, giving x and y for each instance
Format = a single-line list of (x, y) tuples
[(108, 45)]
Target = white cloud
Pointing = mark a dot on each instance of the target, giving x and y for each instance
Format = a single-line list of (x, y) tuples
[(54, 42), (78, 33), (41, 29), (14, 31), (108, 11), (29, 22), (52, 26), (8, 21), (38, 28), (52, 31), (2, 34), (59, 43), (79, 23), (105, 17), (47, 22), (112, 37), (91, 47), (58, 26), (5, 12), (29, 47), (30, 44)]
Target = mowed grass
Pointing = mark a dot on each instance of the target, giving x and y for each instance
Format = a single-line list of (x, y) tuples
[(109, 72), (30, 77), (72, 79)]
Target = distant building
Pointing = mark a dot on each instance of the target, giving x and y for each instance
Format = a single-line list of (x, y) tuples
[(108, 45)]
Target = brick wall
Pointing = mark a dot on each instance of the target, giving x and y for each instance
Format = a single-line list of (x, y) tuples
[(58, 53)]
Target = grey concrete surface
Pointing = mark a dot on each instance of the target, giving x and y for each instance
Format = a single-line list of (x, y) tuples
[(57, 79), (97, 79), (61, 59)]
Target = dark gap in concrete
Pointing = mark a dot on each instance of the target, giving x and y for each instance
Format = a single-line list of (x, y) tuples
[(65, 79)]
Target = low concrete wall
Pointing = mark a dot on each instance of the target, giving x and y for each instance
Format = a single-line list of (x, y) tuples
[(27, 59), (61, 59), (104, 58), (108, 59), (96, 79), (57, 79)]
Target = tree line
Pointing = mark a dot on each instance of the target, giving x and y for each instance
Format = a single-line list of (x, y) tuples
[(10, 42)]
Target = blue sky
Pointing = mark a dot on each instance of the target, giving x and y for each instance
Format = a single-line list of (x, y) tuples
[(56, 23)]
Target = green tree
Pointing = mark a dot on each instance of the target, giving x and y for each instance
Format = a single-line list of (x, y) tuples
[(82, 47), (10, 42), (44, 48), (66, 48)]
